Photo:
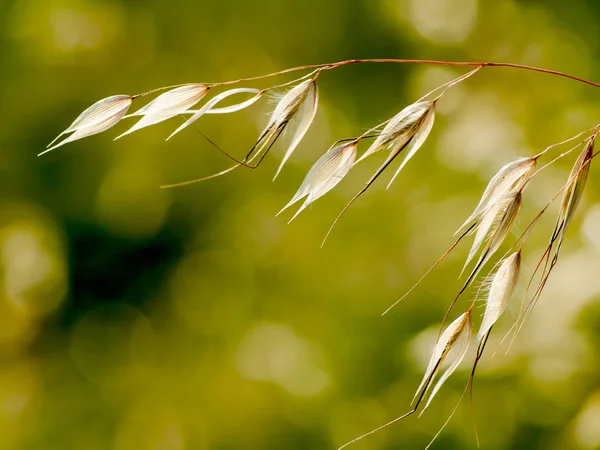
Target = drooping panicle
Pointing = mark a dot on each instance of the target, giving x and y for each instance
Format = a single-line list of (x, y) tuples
[(510, 178), (167, 105), (501, 291), (298, 104), (325, 174), (453, 345), (99, 117)]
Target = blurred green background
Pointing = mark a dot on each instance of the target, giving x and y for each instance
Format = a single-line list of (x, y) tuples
[(138, 318)]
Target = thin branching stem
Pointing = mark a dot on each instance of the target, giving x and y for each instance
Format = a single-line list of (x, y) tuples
[(198, 180), (403, 416), (330, 66), (440, 259)]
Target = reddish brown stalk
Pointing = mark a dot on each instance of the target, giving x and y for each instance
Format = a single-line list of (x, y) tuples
[(329, 66)]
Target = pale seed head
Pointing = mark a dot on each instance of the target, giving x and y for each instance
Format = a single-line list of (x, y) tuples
[(167, 105), (325, 174), (303, 109), (510, 178), (403, 127), (452, 344), (99, 117), (421, 133), (501, 290), (495, 224), (299, 103), (576, 184), (209, 106)]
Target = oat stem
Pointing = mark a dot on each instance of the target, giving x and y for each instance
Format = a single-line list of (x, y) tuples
[(481, 64), (440, 259), (330, 66), (403, 416)]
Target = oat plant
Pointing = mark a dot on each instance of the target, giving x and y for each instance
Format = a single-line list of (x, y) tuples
[(490, 226)]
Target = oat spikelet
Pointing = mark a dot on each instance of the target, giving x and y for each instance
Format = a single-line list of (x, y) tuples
[(452, 344), (324, 175), (510, 178), (299, 103), (496, 223), (208, 107), (307, 103), (403, 127), (167, 105), (415, 143), (502, 289), (99, 117), (574, 191)]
